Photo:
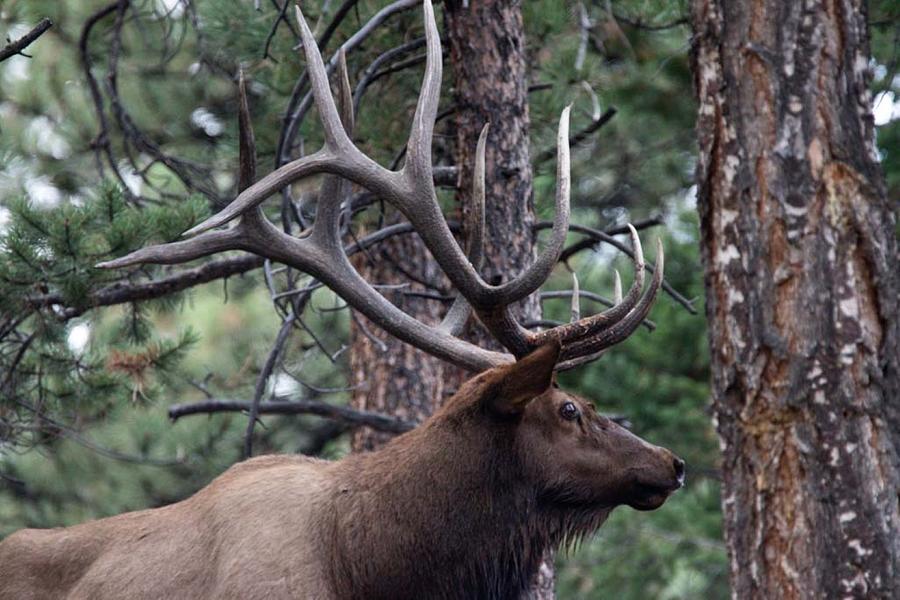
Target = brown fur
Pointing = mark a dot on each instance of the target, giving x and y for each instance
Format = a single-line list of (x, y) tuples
[(461, 507)]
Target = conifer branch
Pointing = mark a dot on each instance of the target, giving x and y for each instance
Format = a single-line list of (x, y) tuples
[(18, 46)]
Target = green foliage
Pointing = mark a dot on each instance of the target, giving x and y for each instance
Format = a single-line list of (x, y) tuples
[(56, 249), (47, 259)]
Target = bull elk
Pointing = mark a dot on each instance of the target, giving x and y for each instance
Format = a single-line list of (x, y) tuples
[(465, 505)]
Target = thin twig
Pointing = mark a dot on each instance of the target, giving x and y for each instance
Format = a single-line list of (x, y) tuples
[(81, 440), (17, 46), (343, 414), (589, 242), (101, 142), (639, 23), (576, 139), (261, 381), (372, 72), (281, 17), (122, 292)]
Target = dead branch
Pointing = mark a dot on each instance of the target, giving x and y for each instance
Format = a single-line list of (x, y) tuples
[(16, 47)]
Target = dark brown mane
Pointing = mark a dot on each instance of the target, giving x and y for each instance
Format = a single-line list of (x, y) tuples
[(463, 489)]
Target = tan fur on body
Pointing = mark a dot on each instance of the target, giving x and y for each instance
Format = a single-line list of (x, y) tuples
[(461, 507)]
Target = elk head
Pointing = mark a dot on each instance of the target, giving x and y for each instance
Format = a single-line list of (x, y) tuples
[(576, 458)]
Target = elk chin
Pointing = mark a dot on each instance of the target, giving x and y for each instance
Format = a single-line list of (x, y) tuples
[(648, 496)]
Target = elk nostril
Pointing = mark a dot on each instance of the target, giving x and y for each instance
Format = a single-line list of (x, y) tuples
[(679, 469)]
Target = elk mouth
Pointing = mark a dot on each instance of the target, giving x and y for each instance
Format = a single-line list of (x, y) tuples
[(650, 496)]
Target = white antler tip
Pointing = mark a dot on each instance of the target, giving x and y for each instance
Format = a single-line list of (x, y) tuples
[(299, 15), (576, 298), (660, 255), (617, 287), (636, 245)]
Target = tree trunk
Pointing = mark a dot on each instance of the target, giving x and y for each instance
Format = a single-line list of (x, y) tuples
[(389, 376), (799, 251), (490, 75)]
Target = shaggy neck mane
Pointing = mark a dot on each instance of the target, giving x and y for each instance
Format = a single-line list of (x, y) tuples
[(446, 511)]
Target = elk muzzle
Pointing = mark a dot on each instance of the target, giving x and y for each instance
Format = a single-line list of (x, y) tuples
[(657, 480)]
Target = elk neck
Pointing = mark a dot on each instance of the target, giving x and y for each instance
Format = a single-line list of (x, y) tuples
[(445, 511)]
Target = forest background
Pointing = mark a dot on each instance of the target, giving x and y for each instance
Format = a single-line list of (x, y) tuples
[(85, 433)]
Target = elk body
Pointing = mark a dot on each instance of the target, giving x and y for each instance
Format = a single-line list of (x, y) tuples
[(462, 507), (465, 505)]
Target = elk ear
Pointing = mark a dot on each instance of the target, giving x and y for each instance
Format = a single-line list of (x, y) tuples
[(526, 379)]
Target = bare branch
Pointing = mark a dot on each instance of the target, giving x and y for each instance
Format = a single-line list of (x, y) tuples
[(123, 292), (262, 380), (577, 139), (16, 47), (372, 72), (296, 407)]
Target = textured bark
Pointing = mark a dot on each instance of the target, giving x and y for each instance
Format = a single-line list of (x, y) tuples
[(395, 379), (801, 279), (488, 58)]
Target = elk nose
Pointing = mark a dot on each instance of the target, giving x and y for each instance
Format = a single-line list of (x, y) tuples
[(679, 470)]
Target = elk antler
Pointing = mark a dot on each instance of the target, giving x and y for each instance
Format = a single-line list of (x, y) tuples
[(321, 254)]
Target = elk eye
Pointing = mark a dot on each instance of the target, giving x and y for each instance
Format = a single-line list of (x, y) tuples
[(569, 411)]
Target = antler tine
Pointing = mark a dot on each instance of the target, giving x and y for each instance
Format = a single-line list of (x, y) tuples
[(587, 349), (318, 77), (576, 299), (461, 310), (334, 190), (418, 149), (589, 325), (346, 108), (319, 162), (345, 104), (178, 252), (247, 141), (475, 242), (617, 287), (535, 275)]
